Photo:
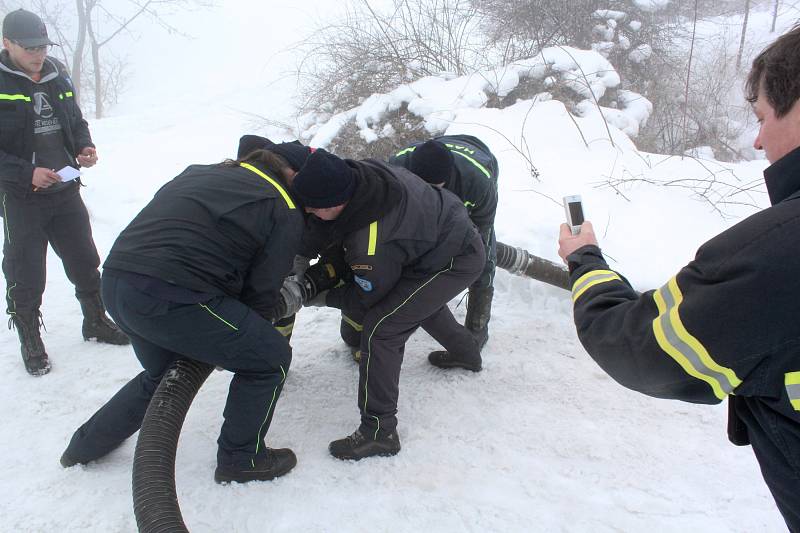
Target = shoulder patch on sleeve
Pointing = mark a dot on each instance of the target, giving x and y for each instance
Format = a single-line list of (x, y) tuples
[(365, 284)]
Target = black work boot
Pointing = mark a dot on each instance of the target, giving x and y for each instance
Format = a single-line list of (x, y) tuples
[(96, 325), (33, 355), (479, 311), (274, 463), (444, 359), (358, 446)]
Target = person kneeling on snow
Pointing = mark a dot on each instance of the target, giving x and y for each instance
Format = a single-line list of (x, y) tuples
[(411, 248), (464, 165), (726, 325), (196, 275)]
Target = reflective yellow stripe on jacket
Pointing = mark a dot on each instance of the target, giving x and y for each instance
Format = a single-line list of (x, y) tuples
[(686, 349), (14, 97), (274, 183), (587, 281), (793, 389), (373, 238)]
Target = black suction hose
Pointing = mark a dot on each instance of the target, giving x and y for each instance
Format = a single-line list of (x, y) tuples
[(523, 263), (155, 502)]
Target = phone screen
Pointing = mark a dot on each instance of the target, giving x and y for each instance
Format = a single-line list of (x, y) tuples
[(575, 213)]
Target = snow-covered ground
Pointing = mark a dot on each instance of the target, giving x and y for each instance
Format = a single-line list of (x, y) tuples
[(540, 440)]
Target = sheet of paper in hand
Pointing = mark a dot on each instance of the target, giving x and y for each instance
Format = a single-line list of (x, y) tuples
[(69, 173)]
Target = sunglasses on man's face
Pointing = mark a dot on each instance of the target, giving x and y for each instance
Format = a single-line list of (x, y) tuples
[(35, 49)]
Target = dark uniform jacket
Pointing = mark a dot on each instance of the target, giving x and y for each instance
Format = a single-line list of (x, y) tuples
[(475, 179), (727, 324), (17, 118), (417, 231), (215, 229)]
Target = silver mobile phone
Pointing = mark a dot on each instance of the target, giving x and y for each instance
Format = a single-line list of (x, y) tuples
[(574, 210)]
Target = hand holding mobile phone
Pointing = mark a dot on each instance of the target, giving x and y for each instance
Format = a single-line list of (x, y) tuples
[(574, 211)]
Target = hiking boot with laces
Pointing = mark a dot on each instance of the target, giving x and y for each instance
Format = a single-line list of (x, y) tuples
[(358, 446), (274, 463), (34, 355)]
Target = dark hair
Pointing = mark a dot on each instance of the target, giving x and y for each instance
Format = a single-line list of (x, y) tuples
[(275, 165), (776, 72)]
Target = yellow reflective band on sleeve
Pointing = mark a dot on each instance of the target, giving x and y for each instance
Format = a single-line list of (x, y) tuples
[(14, 97), (686, 349), (373, 238), (478, 165), (793, 389), (587, 281), (65, 95), (274, 183), (285, 330), (352, 323)]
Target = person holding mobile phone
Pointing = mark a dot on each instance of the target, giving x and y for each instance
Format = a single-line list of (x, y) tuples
[(44, 131), (725, 326)]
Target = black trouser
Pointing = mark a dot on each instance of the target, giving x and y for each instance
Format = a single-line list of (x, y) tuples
[(30, 223), (388, 325), (223, 332)]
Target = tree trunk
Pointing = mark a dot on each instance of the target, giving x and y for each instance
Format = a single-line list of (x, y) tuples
[(80, 42), (744, 33), (96, 70), (775, 16), (98, 81)]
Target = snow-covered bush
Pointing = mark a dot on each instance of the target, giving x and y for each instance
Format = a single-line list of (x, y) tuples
[(428, 106)]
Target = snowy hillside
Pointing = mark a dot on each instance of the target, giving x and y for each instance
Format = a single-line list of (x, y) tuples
[(540, 440)]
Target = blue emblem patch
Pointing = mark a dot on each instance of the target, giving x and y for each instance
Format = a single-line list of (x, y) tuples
[(363, 283)]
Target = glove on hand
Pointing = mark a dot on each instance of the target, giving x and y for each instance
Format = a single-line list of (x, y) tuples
[(318, 301), (299, 267), (292, 296)]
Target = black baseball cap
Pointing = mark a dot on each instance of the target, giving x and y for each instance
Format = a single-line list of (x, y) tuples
[(26, 29)]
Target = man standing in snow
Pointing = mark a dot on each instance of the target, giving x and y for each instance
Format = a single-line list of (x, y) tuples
[(464, 165), (726, 325), (411, 248), (41, 131)]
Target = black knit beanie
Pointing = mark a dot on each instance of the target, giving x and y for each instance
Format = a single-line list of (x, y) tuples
[(295, 153), (433, 162), (324, 181)]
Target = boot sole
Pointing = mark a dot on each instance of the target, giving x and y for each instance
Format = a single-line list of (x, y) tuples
[(464, 367), (449, 363), (97, 340), (353, 457)]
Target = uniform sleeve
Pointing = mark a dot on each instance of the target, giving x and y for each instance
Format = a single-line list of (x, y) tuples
[(483, 213), (263, 282), (655, 342), (16, 174)]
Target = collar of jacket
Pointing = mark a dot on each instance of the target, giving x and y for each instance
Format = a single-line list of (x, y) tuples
[(783, 177), (376, 193), (49, 69)]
